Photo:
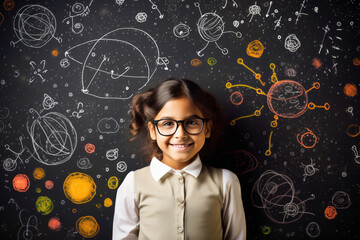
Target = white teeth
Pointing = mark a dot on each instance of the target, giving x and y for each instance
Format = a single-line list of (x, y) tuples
[(179, 146)]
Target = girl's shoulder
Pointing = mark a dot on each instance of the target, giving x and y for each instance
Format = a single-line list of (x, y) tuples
[(228, 176)]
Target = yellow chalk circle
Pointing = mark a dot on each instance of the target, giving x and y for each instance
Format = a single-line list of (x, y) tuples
[(79, 188), (108, 202), (44, 205), (87, 226), (113, 182), (39, 173)]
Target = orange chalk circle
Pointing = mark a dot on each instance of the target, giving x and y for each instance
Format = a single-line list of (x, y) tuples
[(353, 130), (90, 148), (79, 188), (356, 62), (236, 98), (316, 62), (287, 99), (74, 210), (195, 62), (44, 205), (39, 173), (9, 5), (54, 224), (21, 183), (87, 226), (330, 212), (49, 184), (1, 18), (108, 202), (255, 49), (350, 90), (113, 182), (308, 139), (55, 53)]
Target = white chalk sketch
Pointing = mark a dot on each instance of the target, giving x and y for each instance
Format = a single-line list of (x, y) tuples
[(29, 227), (326, 30), (64, 63), (334, 38), (84, 163), (39, 69), (299, 13), (53, 137), (48, 102), (4, 113), (277, 23), (309, 169), (356, 153), (211, 27), (108, 125), (2, 126), (12, 201), (290, 72), (112, 154), (313, 230), (234, 4), (268, 11), (119, 2), (34, 26), (77, 10), (155, 7), (78, 112), (292, 43), (236, 23), (275, 193), (254, 10), (341, 200), (181, 30), (23, 155), (107, 71), (350, 110), (121, 166), (141, 17)]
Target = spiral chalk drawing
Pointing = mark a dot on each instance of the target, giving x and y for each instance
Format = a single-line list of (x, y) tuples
[(285, 74)]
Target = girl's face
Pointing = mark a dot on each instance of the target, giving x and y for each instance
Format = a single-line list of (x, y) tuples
[(181, 148)]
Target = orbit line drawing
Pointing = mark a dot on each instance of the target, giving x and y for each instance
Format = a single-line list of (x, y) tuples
[(211, 27), (112, 75), (275, 193), (34, 26)]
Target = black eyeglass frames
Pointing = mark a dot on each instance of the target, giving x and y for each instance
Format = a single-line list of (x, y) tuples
[(167, 127)]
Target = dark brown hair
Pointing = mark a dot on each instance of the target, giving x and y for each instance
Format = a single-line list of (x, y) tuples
[(146, 105)]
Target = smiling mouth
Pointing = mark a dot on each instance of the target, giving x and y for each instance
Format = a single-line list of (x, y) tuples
[(181, 145)]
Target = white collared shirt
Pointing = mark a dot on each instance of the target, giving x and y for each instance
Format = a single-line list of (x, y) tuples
[(126, 216)]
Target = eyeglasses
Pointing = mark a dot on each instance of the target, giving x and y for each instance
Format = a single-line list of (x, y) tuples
[(192, 126)]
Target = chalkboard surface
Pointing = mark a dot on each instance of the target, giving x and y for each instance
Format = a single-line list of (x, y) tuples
[(285, 72)]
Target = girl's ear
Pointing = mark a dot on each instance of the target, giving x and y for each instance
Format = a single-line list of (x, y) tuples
[(208, 126), (152, 132)]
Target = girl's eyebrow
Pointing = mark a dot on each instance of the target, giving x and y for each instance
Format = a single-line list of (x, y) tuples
[(192, 116)]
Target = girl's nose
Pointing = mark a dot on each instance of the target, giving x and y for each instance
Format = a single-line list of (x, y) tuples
[(180, 132)]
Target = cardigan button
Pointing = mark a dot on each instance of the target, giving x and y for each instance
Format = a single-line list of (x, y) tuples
[(180, 229)]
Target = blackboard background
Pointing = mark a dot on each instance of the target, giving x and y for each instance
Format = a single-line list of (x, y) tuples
[(332, 155)]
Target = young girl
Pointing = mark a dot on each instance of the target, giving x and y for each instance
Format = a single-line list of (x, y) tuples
[(177, 197)]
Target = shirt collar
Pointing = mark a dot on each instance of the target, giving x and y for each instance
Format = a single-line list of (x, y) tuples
[(159, 169)]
